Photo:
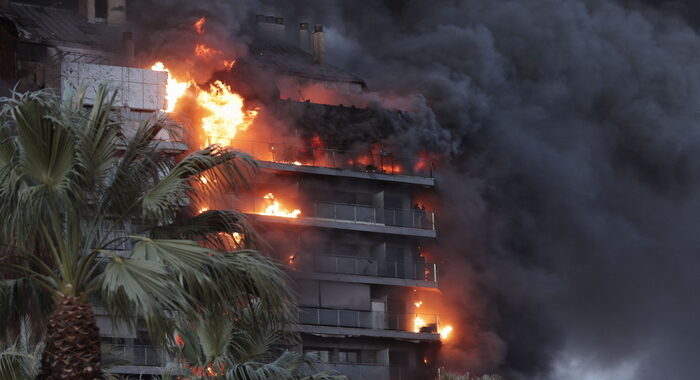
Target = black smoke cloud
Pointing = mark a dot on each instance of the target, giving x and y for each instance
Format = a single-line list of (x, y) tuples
[(573, 175), (571, 182)]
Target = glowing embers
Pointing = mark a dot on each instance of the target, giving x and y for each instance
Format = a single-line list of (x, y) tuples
[(174, 90), (274, 207), (199, 25), (226, 115), (205, 52)]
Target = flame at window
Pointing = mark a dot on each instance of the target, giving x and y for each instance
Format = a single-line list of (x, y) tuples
[(274, 207)]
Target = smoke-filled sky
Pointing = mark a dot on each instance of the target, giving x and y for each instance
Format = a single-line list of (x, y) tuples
[(572, 181)]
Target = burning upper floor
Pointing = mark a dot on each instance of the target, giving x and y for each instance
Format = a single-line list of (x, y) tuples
[(239, 103)]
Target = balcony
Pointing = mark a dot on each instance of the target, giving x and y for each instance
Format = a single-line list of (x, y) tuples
[(367, 266), (352, 216), (135, 359), (375, 320), (342, 212), (366, 164), (373, 371), (137, 355)]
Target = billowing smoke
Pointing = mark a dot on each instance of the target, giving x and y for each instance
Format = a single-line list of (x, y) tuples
[(571, 174)]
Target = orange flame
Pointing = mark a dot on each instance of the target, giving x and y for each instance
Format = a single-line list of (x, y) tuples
[(226, 115), (205, 52), (445, 332), (203, 210), (174, 89), (238, 238), (418, 323), (418, 304), (179, 341), (199, 25), (275, 208), (229, 64)]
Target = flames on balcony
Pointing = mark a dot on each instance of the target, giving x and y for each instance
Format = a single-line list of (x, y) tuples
[(273, 207), (421, 325)]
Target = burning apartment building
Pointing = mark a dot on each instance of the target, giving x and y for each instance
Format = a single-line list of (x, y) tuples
[(340, 209)]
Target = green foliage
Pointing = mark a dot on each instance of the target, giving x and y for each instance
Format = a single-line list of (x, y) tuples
[(245, 344), (20, 356), (96, 209)]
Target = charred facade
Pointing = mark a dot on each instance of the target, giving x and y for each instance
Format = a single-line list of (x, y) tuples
[(344, 212)]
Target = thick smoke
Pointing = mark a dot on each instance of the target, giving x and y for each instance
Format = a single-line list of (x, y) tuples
[(573, 184), (570, 183)]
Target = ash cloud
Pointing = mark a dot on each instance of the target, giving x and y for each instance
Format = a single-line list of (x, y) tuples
[(572, 191)]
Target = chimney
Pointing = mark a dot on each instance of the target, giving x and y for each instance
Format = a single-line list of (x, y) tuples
[(271, 26), (319, 44), (304, 37), (86, 8), (116, 12), (128, 48)]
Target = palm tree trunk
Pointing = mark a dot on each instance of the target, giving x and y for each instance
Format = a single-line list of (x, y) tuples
[(72, 343)]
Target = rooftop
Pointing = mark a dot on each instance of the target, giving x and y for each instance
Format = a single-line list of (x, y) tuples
[(288, 59), (49, 25)]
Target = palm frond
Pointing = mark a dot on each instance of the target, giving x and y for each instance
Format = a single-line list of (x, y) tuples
[(223, 230), (20, 358), (226, 169)]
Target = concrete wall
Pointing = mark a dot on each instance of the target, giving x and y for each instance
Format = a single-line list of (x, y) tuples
[(140, 89)]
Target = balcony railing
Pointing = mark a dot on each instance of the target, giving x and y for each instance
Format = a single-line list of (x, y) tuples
[(137, 355), (367, 266), (357, 160), (349, 213), (343, 212), (367, 319)]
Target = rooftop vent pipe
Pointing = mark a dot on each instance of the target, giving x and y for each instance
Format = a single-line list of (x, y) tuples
[(116, 12), (319, 44), (304, 37), (128, 48), (86, 8), (271, 26)]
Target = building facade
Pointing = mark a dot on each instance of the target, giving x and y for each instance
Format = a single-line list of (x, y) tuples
[(353, 249)]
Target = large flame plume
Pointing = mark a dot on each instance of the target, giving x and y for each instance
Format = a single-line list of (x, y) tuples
[(174, 89), (226, 115)]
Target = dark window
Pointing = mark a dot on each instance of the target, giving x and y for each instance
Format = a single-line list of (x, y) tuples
[(348, 356), (398, 359), (101, 9), (392, 201)]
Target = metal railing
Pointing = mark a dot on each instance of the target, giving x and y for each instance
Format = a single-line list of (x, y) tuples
[(344, 212), (366, 214), (376, 320), (367, 266), (418, 373), (138, 355), (356, 160)]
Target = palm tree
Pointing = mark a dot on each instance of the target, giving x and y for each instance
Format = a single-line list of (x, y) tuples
[(94, 212), (246, 344)]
